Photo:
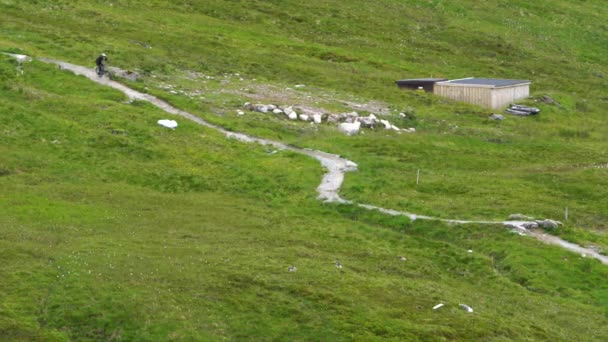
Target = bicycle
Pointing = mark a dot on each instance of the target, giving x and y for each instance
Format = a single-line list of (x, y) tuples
[(100, 70)]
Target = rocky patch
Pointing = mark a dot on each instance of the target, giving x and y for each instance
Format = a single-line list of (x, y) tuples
[(349, 123)]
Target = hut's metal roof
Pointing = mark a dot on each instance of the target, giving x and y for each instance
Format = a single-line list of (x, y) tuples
[(488, 82), (421, 80)]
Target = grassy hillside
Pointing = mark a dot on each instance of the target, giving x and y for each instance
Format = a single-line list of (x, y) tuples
[(113, 228)]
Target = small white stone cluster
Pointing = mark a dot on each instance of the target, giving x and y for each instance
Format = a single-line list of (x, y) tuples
[(348, 123), (530, 223)]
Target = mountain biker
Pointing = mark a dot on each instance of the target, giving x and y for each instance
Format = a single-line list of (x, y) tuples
[(99, 62)]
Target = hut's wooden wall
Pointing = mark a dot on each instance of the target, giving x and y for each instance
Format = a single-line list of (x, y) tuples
[(506, 95), (476, 95), (494, 98)]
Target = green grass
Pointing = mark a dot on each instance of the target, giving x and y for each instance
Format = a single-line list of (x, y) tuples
[(113, 228)]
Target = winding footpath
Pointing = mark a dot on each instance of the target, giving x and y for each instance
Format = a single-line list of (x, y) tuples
[(335, 165)]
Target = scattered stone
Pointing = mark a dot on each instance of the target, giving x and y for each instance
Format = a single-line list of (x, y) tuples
[(168, 123), (260, 108), (438, 306), (126, 74), (349, 128), (402, 258), (288, 110), (240, 112), (497, 117), (349, 117), (466, 307), (367, 121), (470, 251), (300, 85), (530, 225), (338, 264), (548, 224), (292, 268), (290, 113), (317, 118), (387, 125)]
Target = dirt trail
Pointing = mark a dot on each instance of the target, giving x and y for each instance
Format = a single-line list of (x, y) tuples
[(335, 165)]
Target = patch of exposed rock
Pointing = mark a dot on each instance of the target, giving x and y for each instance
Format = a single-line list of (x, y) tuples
[(349, 123), (126, 74)]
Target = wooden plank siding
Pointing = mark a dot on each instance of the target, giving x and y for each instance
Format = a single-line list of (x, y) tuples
[(483, 95), (506, 95)]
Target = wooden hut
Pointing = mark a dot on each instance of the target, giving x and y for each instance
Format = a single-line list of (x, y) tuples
[(488, 92)]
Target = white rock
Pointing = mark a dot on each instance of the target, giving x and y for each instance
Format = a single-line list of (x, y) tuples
[(317, 118), (240, 112), (288, 110), (271, 107), (395, 128), (438, 306), (387, 125), (466, 307), (548, 224), (412, 130), (292, 116), (261, 108), (373, 117), (168, 123), (349, 128), (304, 117), (277, 111), (300, 85), (366, 121)]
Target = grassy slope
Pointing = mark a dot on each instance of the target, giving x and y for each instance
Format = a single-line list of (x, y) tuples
[(150, 234)]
